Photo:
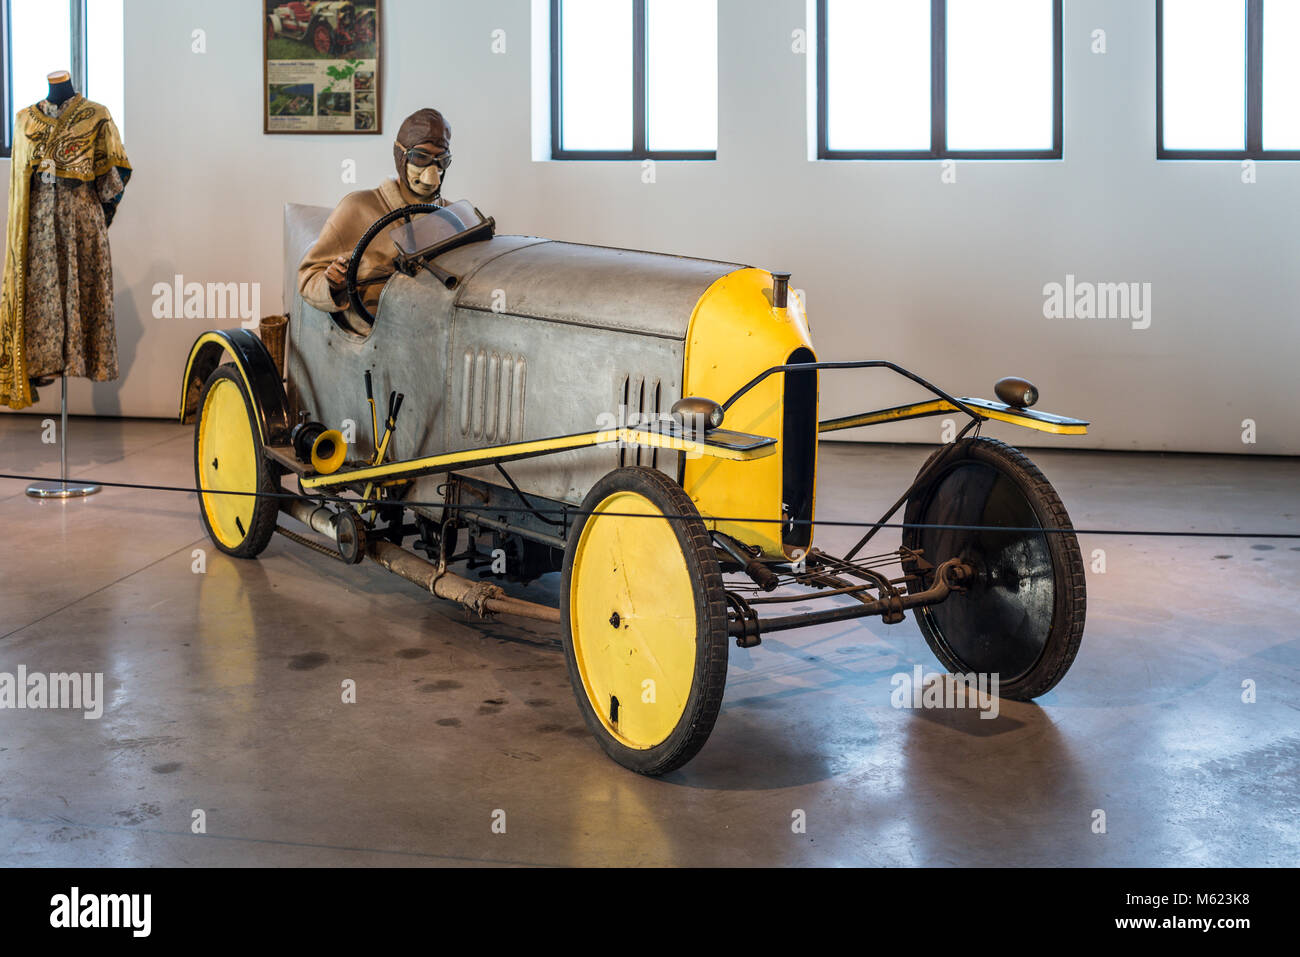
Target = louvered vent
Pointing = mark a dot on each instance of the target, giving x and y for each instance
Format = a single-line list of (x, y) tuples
[(492, 396)]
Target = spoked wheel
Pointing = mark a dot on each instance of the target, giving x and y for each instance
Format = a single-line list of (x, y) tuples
[(645, 621), (228, 457), (322, 38), (1021, 615)]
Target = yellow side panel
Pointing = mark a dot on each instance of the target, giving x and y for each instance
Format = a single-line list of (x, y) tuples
[(734, 335)]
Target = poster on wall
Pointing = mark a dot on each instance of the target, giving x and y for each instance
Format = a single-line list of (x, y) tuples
[(321, 66)]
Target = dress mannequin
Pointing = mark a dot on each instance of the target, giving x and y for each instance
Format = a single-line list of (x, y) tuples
[(60, 87), (61, 90), (67, 174)]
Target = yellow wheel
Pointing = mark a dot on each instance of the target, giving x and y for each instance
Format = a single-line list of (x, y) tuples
[(228, 457), (645, 621)]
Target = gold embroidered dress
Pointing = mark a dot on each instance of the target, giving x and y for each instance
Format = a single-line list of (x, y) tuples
[(69, 169)]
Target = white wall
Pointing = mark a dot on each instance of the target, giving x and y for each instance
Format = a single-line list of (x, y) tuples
[(945, 279)]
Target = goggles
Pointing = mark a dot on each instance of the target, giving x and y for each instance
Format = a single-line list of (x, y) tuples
[(420, 157)]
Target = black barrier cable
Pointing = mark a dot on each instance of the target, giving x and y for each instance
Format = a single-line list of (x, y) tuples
[(523, 498), (567, 511)]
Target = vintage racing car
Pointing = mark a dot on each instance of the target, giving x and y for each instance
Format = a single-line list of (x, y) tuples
[(332, 27), (645, 424)]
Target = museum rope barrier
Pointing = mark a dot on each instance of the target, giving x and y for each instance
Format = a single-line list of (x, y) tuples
[(575, 512)]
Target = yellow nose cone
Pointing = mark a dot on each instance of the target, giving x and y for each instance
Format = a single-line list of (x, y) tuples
[(328, 452)]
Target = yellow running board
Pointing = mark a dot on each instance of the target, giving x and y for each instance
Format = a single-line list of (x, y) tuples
[(719, 443), (1029, 418)]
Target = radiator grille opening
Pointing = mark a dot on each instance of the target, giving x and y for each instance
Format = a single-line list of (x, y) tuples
[(621, 403), (658, 395), (639, 402), (637, 416)]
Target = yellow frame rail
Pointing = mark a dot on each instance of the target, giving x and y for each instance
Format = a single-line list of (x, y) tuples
[(1029, 418), (733, 446)]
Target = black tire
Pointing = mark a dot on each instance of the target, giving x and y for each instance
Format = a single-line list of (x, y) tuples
[(332, 42), (261, 512), (710, 630), (1022, 618)]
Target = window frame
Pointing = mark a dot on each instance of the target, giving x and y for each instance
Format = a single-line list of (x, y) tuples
[(1254, 132), (640, 100), (7, 108), (939, 99)]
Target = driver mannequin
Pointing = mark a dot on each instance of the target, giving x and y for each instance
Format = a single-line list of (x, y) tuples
[(421, 154)]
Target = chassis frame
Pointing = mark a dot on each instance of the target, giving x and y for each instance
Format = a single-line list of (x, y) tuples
[(374, 522)]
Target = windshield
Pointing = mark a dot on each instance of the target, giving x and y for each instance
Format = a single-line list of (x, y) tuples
[(434, 228)]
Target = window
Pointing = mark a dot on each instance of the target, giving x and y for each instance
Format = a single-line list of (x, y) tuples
[(634, 79), (932, 79), (1227, 79), (38, 37)]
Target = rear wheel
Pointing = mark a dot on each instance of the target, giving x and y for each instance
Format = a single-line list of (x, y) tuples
[(228, 457), (1021, 616), (322, 38), (644, 621)]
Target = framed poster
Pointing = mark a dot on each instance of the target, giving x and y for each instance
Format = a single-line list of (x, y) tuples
[(320, 66)]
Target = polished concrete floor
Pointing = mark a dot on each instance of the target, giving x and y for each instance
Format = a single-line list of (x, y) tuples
[(223, 696)]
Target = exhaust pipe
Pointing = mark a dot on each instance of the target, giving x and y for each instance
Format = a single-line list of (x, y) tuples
[(482, 598), (318, 518)]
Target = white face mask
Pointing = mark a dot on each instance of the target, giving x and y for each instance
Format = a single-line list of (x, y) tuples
[(424, 181)]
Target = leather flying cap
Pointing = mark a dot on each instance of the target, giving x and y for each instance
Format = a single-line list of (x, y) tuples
[(422, 126)]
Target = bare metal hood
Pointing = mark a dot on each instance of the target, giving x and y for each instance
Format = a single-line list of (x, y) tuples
[(627, 290)]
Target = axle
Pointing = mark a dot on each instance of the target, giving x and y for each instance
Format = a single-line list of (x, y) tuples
[(950, 575)]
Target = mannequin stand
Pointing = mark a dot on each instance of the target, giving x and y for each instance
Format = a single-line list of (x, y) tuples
[(62, 488)]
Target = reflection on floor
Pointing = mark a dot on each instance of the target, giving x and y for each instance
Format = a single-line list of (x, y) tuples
[(222, 695)]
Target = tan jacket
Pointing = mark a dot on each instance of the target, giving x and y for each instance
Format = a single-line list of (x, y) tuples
[(355, 213)]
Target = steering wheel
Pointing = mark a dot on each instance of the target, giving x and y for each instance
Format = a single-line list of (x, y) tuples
[(351, 283)]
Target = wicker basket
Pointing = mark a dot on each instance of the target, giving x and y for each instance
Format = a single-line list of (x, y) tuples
[(273, 330)]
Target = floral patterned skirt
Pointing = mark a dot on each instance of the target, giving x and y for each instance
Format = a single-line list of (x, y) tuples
[(68, 301)]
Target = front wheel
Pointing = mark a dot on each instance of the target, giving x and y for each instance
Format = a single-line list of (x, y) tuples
[(1021, 615), (230, 466), (644, 620)]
